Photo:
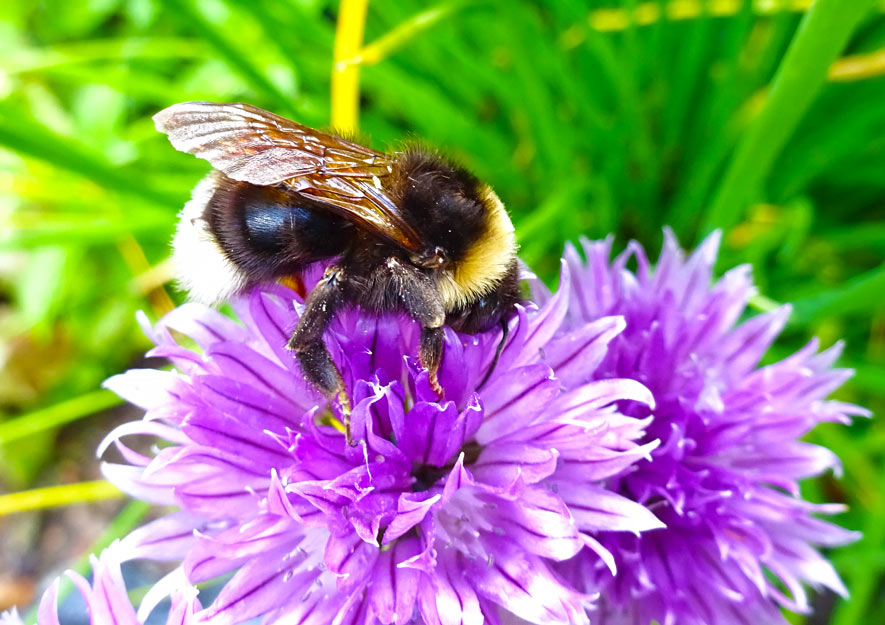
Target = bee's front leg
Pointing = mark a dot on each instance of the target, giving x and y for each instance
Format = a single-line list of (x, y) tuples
[(323, 303), (430, 354)]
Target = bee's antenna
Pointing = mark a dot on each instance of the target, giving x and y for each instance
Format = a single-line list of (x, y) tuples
[(506, 329)]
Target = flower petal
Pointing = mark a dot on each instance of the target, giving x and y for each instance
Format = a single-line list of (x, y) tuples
[(394, 588), (595, 508), (47, 613), (524, 584), (576, 355)]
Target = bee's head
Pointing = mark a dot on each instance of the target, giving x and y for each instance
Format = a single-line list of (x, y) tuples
[(444, 203), (470, 239)]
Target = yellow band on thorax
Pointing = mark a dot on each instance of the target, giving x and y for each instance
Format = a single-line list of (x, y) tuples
[(486, 262)]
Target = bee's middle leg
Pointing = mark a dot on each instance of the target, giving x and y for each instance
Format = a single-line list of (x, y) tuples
[(323, 303)]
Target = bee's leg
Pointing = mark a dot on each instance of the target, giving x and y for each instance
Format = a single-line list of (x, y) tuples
[(306, 341), (430, 354), (420, 299)]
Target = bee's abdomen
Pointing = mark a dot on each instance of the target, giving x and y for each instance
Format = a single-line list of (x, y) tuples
[(263, 223), (234, 234)]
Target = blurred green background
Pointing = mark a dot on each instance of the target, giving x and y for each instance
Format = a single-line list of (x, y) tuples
[(764, 118)]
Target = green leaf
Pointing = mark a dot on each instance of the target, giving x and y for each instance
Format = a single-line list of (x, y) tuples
[(860, 295)]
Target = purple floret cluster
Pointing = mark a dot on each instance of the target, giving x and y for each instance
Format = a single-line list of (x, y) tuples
[(628, 461), (739, 542)]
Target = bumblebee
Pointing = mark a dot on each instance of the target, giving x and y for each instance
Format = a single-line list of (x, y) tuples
[(408, 232)]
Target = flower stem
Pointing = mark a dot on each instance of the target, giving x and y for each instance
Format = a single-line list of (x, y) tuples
[(346, 76), (858, 67), (404, 32), (53, 496)]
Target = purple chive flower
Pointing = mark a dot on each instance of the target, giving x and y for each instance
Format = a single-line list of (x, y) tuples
[(446, 511), (740, 541), (107, 601)]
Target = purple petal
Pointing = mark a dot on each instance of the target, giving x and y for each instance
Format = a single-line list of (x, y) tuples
[(433, 433), (593, 464), (253, 591), (203, 324), (540, 523), (249, 368), (450, 599), (351, 559), (146, 388), (575, 356), (523, 584), (275, 320), (545, 324), (516, 400), (144, 428), (129, 480), (584, 400), (501, 463), (108, 601), (743, 349), (261, 538), (167, 538), (394, 589), (47, 613), (173, 583), (185, 609), (410, 512), (595, 509)]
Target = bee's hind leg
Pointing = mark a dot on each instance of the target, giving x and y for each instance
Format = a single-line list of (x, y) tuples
[(324, 301)]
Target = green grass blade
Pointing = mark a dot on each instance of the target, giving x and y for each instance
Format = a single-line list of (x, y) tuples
[(862, 294), (54, 416), (112, 49), (239, 61), (864, 573), (49, 229), (29, 138), (822, 35)]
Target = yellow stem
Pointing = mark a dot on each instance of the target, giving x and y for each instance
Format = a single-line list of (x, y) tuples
[(53, 496), (646, 13), (135, 259), (395, 39), (155, 277), (346, 76), (858, 67)]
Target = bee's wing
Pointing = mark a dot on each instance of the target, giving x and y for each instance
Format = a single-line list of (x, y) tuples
[(252, 145)]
